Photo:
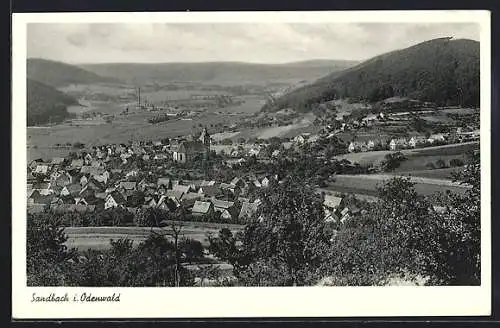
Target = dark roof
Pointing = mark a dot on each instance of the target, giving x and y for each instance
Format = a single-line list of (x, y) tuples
[(222, 204), (191, 195), (177, 194), (77, 163), (182, 188), (36, 208), (118, 197), (191, 146), (163, 181), (74, 188), (209, 190), (57, 160), (129, 185)]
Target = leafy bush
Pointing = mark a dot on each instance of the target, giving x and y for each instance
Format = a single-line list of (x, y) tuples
[(392, 161), (456, 162), (440, 164), (430, 166)]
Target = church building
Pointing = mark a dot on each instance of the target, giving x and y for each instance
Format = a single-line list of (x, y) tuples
[(189, 150)]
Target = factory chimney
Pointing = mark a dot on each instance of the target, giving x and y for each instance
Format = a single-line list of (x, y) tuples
[(139, 97)]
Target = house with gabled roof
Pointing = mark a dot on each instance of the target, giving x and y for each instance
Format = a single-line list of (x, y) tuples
[(63, 179), (90, 170), (182, 188), (248, 210), (45, 188), (102, 178), (34, 163), (208, 191), (42, 199), (238, 182), (30, 177), (88, 158), (226, 208), (332, 204), (97, 163), (205, 183), (32, 196), (127, 185), (71, 190), (438, 137), (57, 161), (94, 185), (176, 194), (152, 201), (168, 203), (201, 208), (42, 169), (80, 201), (37, 208), (355, 146), (417, 141), (399, 143), (76, 164), (188, 199), (114, 199)]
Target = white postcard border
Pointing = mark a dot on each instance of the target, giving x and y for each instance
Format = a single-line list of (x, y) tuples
[(249, 301)]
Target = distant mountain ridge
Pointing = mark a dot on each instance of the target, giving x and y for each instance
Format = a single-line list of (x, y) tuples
[(217, 72), (444, 70), (58, 74)]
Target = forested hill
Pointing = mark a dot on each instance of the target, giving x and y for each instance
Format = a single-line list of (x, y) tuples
[(46, 104), (444, 71), (59, 74)]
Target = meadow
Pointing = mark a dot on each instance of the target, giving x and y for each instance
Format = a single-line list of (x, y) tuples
[(367, 185), (445, 173), (416, 158), (84, 238)]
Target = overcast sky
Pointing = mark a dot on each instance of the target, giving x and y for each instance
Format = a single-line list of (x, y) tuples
[(262, 43)]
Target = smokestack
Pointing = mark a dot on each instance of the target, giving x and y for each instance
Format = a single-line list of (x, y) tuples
[(139, 97)]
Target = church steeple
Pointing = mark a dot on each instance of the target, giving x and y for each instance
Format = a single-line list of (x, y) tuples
[(205, 137)]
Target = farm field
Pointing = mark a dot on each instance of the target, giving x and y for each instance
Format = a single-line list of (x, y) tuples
[(417, 158), (84, 238), (111, 89), (433, 174), (367, 184), (134, 127), (459, 110)]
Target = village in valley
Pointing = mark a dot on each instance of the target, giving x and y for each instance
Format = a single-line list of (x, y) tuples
[(170, 173)]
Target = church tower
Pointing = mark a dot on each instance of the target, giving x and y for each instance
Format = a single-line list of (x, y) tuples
[(205, 140)]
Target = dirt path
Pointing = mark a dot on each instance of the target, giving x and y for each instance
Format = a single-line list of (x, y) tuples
[(431, 181)]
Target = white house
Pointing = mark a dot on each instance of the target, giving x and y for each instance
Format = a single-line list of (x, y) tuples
[(114, 199), (439, 137), (357, 146), (396, 144), (416, 141)]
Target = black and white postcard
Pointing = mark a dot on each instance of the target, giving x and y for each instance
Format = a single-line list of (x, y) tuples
[(251, 164)]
